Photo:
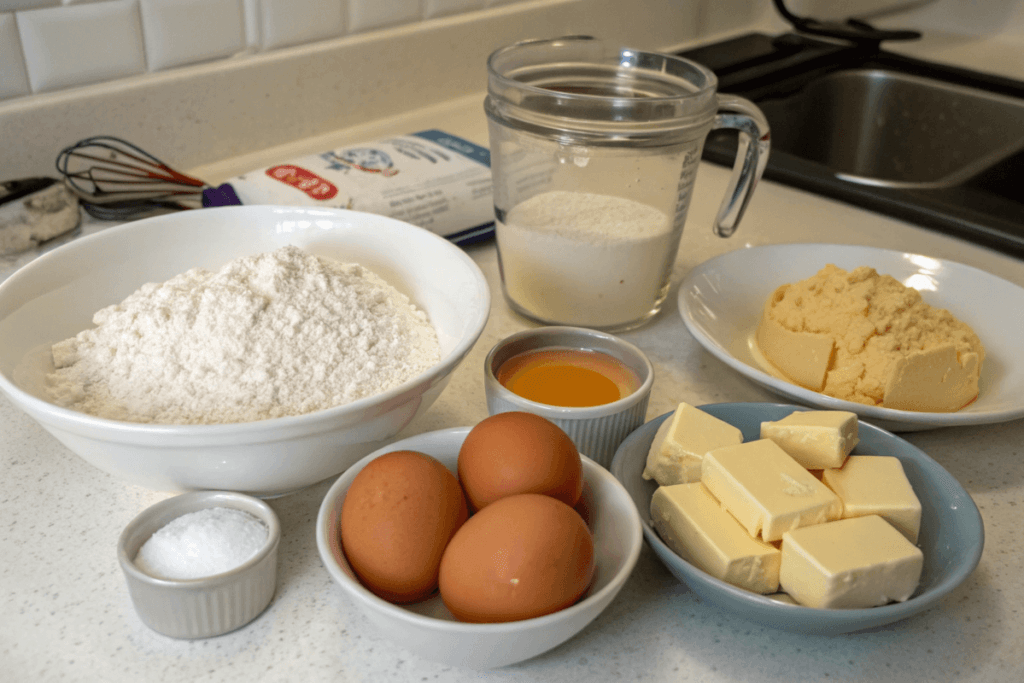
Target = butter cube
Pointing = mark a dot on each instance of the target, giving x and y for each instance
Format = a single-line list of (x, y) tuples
[(766, 490), (850, 563), (815, 438), (877, 485), (694, 525), (681, 442)]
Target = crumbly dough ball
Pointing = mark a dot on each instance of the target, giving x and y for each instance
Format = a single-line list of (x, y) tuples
[(878, 328)]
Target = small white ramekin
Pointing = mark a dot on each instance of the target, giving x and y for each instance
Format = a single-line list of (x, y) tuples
[(212, 605), (597, 431)]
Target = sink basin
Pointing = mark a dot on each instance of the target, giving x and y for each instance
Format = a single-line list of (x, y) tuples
[(886, 128), (936, 145)]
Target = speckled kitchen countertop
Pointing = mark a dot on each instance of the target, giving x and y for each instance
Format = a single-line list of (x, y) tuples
[(67, 614)]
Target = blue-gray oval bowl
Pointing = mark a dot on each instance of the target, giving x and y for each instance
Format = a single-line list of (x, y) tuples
[(952, 534)]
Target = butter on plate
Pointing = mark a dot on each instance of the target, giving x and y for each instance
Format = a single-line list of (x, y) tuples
[(837, 537), (877, 485), (864, 337), (850, 563), (766, 490), (698, 529), (682, 440), (816, 439)]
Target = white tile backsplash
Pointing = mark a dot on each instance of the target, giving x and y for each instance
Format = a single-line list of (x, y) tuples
[(719, 16), (180, 32), (13, 77), (15, 5), (80, 44), (261, 99), (282, 23), (838, 10), (443, 8), (366, 15), (965, 17), (60, 44), (48, 45), (252, 23)]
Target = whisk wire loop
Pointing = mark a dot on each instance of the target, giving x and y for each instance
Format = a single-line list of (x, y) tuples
[(117, 179)]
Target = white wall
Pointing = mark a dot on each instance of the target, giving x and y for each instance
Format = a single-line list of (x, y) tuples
[(195, 81), (52, 45)]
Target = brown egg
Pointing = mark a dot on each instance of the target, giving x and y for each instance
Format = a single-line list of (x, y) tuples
[(517, 452), (520, 557), (397, 517), (584, 505)]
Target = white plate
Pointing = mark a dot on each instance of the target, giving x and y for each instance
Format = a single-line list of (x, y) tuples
[(721, 301)]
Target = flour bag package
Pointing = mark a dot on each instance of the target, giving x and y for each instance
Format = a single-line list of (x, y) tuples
[(432, 179)]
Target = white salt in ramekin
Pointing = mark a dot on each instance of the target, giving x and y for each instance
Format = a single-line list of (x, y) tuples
[(597, 431), (209, 606)]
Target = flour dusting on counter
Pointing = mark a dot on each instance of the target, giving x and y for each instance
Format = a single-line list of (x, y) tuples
[(277, 334)]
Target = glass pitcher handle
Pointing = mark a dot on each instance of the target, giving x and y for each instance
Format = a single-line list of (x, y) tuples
[(751, 157)]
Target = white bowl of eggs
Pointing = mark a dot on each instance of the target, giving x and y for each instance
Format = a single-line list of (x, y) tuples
[(53, 299), (506, 614)]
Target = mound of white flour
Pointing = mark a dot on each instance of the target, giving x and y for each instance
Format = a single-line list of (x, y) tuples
[(281, 333)]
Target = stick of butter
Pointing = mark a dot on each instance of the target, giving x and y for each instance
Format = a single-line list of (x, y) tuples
[(816, 439), (850, 563), (766, 490), (695, 527), (877, 485), (681, 442)]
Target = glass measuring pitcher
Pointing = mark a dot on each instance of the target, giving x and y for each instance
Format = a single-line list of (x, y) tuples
[(594, 153)]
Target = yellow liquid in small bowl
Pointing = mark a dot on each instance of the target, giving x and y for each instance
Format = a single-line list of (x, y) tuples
[(570, 378)]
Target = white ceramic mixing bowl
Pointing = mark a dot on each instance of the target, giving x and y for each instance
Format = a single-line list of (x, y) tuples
[(55, 296)]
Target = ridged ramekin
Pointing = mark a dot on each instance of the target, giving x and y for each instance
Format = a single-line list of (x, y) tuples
[(598, 430), (208, 606)]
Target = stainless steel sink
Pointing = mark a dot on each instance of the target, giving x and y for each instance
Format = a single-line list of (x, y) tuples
[(932, 144), (885, 128)]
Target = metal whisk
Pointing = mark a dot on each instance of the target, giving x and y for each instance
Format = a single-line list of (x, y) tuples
[(116, 180)]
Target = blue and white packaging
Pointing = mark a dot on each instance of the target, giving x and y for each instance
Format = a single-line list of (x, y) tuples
[(432, 179)]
